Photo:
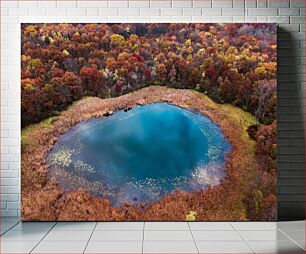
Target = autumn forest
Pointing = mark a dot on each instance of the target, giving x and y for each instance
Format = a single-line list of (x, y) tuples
[(71, 73)]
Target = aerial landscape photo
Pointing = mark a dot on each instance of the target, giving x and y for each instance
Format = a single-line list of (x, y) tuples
[(148, 122)]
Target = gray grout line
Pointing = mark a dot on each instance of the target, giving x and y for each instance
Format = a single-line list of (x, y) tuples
[(42, 238), (273, 225), (143, 232), (193, 238), (232, 226), (290, 238), (10, 228), (247, 243), (93, 230)]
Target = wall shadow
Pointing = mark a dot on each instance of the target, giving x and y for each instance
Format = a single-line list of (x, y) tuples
[(291, 132)]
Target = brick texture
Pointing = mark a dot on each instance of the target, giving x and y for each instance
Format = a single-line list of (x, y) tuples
[(290, 14)]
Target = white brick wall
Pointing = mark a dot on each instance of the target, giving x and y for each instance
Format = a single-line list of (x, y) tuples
[(289, 13)]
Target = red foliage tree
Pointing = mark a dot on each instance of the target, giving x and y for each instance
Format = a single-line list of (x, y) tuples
[(92, 80), (266, 139)]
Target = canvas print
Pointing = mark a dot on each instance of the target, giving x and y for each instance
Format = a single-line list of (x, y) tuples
[(148, 122)]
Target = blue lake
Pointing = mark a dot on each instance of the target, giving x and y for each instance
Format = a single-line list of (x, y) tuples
[(141, 155)]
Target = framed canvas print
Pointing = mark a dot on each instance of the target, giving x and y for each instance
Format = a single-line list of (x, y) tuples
[(148, 122)]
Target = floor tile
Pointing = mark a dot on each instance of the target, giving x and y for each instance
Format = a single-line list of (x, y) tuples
[(9, 224), (273, 235), (276, 247), (114, 247), (69, 236), (222, 226), (17, 247), (273, 223), (74, 226), (120, 226), (60, 247), (33, 226), (169, 247), (223, 247), (5, 226), (106, 236), (253, 226), (3, 230), (297, 236), (290, 225), (216, 236), (167, 236), (9, 220), (22, 236), (301, 243), (166, 226)]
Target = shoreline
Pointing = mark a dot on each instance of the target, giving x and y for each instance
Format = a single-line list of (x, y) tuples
[(43, 199)]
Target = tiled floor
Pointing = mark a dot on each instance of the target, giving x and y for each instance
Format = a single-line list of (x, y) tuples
[(152, 237)]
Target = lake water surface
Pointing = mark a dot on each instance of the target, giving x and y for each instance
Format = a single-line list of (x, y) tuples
[(141, 155)]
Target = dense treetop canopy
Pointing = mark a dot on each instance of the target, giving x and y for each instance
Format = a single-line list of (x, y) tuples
[(231, 63)]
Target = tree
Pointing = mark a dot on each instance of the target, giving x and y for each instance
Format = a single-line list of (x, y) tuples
[(92, 80), (116, 40), (74, 83), (266, 98), (161, 72), (233, 63), (266, 146)]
